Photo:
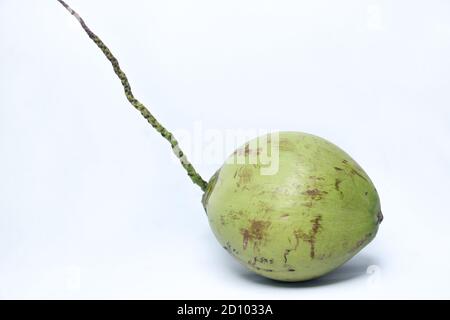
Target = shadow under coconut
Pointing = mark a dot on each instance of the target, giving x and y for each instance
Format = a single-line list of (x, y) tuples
[(352, 269)]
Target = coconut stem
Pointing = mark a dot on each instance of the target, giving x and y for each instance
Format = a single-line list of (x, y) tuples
[(195, 177)]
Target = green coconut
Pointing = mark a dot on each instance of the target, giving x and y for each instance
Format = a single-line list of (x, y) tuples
[(289, 206), (298, 221)]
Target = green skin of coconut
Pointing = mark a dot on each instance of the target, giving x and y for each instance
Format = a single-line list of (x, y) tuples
[(316, 212)]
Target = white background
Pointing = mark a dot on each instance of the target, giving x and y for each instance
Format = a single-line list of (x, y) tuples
[(92, 203)]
